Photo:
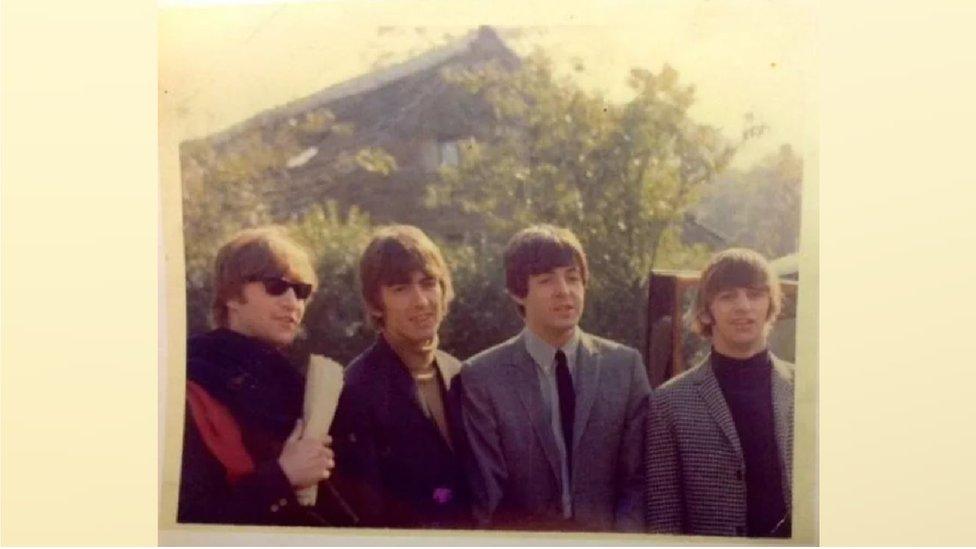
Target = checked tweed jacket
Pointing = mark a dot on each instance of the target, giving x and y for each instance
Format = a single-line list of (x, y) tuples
[(695, 467)]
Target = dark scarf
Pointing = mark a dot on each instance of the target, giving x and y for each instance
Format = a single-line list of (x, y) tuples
[(262, 389)]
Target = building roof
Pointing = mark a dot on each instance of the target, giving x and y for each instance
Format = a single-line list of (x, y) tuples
[(483, 39), (786, 265)]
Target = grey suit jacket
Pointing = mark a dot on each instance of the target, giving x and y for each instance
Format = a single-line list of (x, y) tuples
[(513, 463), (695, 467)]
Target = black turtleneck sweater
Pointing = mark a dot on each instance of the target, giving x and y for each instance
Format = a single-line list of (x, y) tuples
[(747, 387)]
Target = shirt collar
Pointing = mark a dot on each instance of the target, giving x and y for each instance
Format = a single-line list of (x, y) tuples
[(544, 354)]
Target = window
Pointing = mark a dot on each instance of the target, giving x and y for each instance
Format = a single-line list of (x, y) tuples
[(449, 155), (302, 158), (438, 154)]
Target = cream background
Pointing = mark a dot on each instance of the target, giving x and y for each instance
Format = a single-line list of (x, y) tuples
[(219, 66), (80, 235)]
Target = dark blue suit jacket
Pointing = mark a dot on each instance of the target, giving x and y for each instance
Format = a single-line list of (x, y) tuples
[(392, 463)]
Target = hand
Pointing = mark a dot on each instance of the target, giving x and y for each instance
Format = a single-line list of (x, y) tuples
[(306, 460)]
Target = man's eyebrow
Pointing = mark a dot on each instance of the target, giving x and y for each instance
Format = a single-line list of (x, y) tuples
[(554, 268)]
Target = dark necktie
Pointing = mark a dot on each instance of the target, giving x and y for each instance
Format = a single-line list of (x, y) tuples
[(567, 405)]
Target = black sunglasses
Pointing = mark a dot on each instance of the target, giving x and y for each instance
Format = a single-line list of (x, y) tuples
[(277, 286)]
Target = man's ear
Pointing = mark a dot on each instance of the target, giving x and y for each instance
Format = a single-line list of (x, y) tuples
[(515, 298), (234, 303), (705, 319), (375, 314)]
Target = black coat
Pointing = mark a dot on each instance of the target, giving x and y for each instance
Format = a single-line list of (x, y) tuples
[(263, 392), (392, 462)]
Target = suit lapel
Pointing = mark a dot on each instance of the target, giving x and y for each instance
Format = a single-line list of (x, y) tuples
[(448, 369), (401, 389), (711, 393), (526, 383), (398, 379), (782, 388), (586, 383)]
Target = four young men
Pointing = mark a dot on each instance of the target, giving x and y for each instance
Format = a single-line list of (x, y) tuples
[(553, 429)]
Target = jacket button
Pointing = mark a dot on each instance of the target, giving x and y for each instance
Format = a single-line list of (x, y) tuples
[(274, 507), (282, 502)]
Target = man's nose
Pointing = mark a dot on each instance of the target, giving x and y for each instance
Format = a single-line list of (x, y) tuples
[(418, 296), (291, 299), (562, 286)]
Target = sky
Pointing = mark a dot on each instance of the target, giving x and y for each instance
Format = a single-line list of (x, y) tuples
[(221, 63)]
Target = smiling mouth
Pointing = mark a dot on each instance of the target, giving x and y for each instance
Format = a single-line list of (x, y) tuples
[(743, 323)]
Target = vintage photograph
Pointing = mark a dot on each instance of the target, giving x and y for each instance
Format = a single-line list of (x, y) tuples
[(496, 276)]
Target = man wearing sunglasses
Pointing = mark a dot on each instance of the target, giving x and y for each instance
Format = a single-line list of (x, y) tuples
[(244, 455)]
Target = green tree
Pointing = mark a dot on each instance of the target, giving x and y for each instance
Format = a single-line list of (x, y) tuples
[(760, 207), (334, 323), (620, 176), (481, 314), (230, 183)]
